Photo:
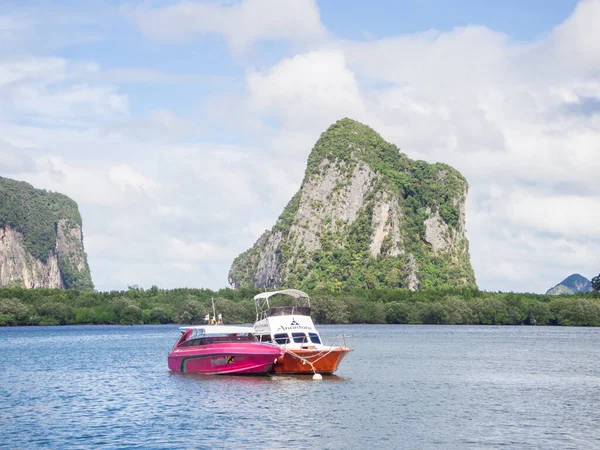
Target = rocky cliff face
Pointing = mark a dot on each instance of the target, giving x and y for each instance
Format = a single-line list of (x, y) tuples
[(366, 216), (41, 239), (17, 264)]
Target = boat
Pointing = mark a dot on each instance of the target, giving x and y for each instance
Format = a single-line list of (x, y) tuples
[(222, 349), (292, 329)]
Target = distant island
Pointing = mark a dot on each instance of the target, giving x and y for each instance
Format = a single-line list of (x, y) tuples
[(573, 284)]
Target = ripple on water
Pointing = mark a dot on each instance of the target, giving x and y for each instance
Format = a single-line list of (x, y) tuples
[(402, 387)]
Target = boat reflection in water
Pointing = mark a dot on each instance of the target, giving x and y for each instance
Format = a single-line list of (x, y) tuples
[(292, 329), (222, 349)]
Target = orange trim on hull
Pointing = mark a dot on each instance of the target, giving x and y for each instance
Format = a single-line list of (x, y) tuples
[(324, 361)]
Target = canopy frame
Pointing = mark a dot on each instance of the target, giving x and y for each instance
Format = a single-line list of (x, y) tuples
[(262, 301)]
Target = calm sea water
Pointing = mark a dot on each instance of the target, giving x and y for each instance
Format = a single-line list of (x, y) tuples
[(447, 387)]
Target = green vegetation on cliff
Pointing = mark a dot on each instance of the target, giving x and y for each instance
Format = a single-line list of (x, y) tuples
[(36, 215), (420, 183), (596, 283), (20, 306)]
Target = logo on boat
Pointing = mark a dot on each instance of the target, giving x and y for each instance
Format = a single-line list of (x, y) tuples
[(222, 360), (294, 326)]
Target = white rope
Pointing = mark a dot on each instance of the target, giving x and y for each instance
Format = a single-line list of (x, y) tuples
[(304, 360), (322, 355)]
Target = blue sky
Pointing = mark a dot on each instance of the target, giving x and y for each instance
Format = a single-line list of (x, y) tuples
[(182, 128), (521, 20), (117, 44)]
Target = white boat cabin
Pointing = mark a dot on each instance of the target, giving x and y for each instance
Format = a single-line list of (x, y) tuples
[(290, 325)]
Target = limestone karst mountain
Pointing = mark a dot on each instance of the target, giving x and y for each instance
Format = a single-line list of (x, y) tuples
[(366, 216), (573, 284), (41, 239)]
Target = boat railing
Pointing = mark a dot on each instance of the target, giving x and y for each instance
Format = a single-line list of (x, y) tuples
[(261, 301), (217, 339), (345, 341), (288, 311)]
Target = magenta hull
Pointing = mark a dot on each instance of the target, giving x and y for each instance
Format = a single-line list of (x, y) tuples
[(225, 358)]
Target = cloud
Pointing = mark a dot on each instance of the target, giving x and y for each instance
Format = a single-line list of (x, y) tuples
[(241, 23), (42, 89), (42, 27), (14, 160), (568, 216), (307, 90), (127, 178), (133, 75), (88, 186), (576, 42), (42, 70), (159, 125), (586, 106)]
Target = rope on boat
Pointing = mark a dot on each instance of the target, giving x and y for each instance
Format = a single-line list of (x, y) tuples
[(304, 360), (323, 354)]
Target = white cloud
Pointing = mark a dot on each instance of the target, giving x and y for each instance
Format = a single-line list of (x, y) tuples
[(179, 250), (41, 70), (158, 125), (307, 90), (241, 23), (14, 160), (138, 76), (568, 216), (127, 178), (30, 28), (576, 42), (41, 89), (88, 186)]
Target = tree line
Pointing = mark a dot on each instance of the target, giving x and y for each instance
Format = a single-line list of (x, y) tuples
[(19, 306)]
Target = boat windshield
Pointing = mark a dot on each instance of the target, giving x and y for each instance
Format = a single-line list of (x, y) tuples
[(282, 338), (314, 338), (219, 338), (299, 338), (288, 311)]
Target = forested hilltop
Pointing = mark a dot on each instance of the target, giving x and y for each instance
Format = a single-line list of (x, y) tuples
[(20, 306), (41, 239)]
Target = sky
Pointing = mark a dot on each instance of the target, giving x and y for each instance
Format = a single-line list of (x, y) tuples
[(182, 129)]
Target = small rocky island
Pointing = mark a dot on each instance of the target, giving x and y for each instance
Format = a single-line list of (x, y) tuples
[(366, 216)]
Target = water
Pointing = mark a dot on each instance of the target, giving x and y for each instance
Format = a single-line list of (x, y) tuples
[(446, 387)]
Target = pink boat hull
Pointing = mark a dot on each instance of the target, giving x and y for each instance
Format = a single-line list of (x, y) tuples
[(225, 358)]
